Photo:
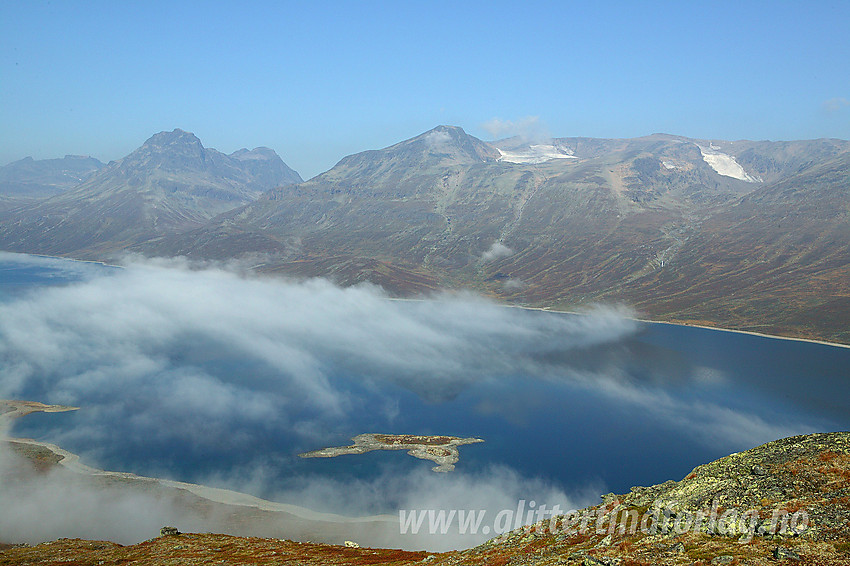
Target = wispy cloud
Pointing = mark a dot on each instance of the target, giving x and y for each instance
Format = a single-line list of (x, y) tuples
[(835, 104), (491, 489), (530, 129), (437, 138), (148, 326)]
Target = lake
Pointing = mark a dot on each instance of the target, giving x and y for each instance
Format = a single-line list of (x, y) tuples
[(206, 376)]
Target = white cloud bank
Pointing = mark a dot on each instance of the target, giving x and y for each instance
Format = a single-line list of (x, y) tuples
[(160, 338)]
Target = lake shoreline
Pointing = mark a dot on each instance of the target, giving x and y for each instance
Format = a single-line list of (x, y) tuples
[(71, 462)]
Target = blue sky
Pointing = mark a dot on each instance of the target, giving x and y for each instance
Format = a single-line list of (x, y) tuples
[(319, 80)]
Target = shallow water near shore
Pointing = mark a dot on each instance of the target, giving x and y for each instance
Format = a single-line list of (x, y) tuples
[(637, 407)]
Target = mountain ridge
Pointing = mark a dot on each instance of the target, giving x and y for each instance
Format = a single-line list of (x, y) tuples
[(599, 227), (563, 222)]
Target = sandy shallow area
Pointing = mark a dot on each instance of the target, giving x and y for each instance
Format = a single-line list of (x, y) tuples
[(210, 508)]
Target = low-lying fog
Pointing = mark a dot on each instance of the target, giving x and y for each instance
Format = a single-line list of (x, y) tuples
[(214, 376)]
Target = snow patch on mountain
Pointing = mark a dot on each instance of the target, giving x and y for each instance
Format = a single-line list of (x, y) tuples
[(536, 153), (725, 164)]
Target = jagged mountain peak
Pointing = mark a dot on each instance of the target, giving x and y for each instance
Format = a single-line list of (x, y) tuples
[(170, 183), (442, 133), (175, 136), (177, 150), (181, 151)]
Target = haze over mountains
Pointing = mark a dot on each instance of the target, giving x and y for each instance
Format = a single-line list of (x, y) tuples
[(750, 235), (29, 179), (170, 184)]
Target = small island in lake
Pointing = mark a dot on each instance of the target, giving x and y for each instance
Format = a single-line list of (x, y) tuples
[(442, 450)]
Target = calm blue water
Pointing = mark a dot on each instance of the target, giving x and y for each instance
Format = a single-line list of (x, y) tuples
[(672, 397), (20, 275)]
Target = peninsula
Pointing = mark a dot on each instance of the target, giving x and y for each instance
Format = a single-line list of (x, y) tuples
[(14, 409), (442, 450)]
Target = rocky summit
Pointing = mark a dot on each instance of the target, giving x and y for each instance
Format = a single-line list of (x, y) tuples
[(785, 502)]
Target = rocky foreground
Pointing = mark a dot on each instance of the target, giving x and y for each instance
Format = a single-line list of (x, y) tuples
[(787, 501)]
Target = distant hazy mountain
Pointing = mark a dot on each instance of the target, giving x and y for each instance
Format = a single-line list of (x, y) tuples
[(29, 178), (266, 167), (170, 184), (750, 235)]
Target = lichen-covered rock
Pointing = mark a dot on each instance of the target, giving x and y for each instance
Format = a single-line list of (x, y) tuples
[(802, 474), (782, 553), (678, 548)]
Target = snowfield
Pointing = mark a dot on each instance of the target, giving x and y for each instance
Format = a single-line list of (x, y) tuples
[(725, 164), (539, 153)]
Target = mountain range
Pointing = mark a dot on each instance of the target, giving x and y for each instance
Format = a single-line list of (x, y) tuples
[(172, 183), (750, 235), (28, 179)]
